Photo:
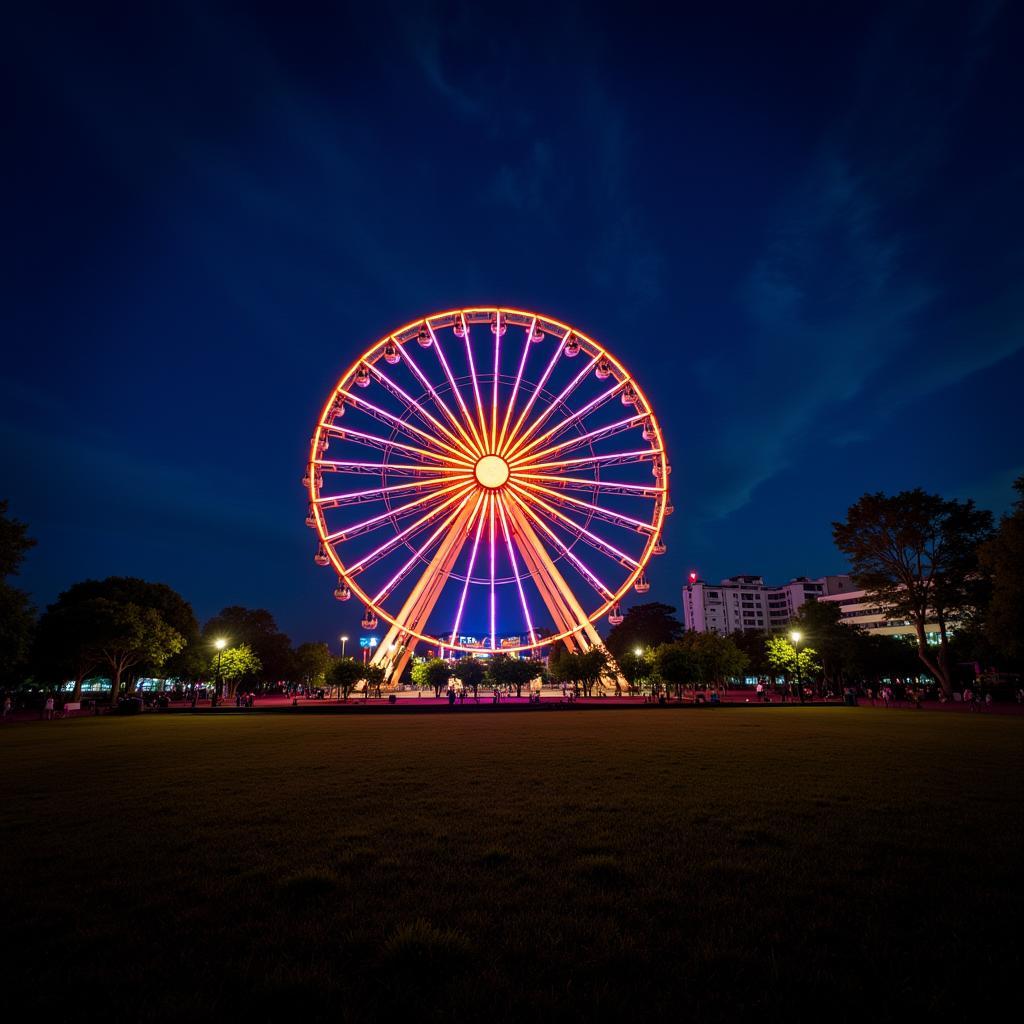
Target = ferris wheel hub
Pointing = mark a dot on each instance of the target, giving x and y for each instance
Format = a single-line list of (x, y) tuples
[(492, 472)]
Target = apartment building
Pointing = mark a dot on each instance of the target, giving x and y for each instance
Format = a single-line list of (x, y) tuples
[(748, 603)]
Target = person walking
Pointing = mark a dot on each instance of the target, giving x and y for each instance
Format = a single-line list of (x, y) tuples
[(7, 706), (49, 709)]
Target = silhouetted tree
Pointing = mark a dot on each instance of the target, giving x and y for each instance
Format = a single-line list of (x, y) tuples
[(917, 556)]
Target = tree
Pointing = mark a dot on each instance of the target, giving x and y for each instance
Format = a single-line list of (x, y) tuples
[(15, 543), (470, 672), (312, 662), (438, 673), (514, 672), (836, 643), (592, 664), (646, 626), (173, 609), (126, 636), (373, 675), (916, 556), (17, 628), (343, 674), (784, 658), (17, 615), (65, 643), (257, 628), (636, 669), (236, 663), (1002, 557), (676, 665)]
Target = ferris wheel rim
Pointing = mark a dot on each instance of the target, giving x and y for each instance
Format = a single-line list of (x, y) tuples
[(471, 443)]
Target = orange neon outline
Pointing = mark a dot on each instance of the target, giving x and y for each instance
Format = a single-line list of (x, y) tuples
[(550, 325)]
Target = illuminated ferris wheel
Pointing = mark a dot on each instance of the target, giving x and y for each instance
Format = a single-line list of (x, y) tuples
[(486, 478)]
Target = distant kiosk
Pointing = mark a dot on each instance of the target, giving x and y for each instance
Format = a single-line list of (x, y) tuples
[(487, 467)]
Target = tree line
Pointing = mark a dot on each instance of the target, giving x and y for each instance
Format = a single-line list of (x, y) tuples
[(942, 565)]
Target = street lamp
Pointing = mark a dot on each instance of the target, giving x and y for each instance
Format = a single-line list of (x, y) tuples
[(795, 637), (344, 640), (220, 644)]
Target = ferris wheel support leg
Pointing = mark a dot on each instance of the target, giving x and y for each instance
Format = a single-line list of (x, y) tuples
[(561, 602), (394, 654)]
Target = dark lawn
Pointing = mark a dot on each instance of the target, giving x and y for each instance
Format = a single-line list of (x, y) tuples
[(710, 863)]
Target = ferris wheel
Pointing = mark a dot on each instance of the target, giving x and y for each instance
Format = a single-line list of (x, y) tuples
[(486, 479)]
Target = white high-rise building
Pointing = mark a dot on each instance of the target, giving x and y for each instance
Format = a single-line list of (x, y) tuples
[(747, 603)]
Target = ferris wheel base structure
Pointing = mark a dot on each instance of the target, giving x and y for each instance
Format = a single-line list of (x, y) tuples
[(510, 483)]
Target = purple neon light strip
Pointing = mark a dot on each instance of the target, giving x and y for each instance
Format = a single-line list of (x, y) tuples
[(373, 492), (493, 604), (515, 570), (395, 513), (582, 439), (515, 387), (401, 574), (469, 576), (458, 394), (494, 389), (476, 383), (433, 456), (420, 468), (536, 391), (594, 460), (580, 414), (404, 426), (441, 403), (580, 484), (543, 417), (388, 383), (400, 536), (555, 496), (582, 530), (586, 573)]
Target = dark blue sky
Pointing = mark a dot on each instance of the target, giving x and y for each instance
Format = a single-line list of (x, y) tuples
[(801, 225)]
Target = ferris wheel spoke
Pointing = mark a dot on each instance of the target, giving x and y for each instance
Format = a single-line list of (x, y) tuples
[(476, 382), (455, 390), (515, 387), (587, 536), (563, 425), (605, 515), (467, 442), (515, 567), (469, 572), (494, 387), (330, 501), (557, 542), (401, 512), (404, 426), (494, 606), (569, 483), (386, 444), (426, 417), (536, 391), (420, 554), (389, 545), (518, 442), (391, 468), (600, 434), (617, 459)]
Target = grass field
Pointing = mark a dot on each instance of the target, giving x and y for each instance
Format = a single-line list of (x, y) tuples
[(715, 863)]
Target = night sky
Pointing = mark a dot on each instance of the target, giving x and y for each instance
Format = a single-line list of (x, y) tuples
[(800, 225)]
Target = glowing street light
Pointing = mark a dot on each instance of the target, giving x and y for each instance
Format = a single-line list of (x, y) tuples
[(220, 643), (344, 640), (795, 637), (638, 651)]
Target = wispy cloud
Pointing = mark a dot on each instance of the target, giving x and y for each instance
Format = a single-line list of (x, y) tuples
[(841, 295)]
